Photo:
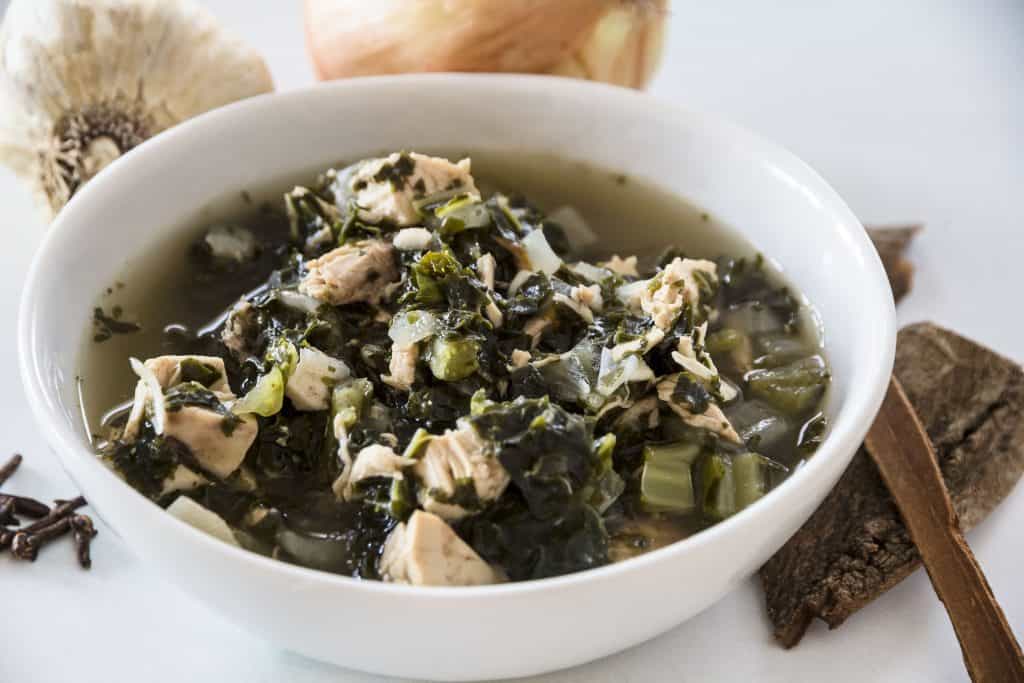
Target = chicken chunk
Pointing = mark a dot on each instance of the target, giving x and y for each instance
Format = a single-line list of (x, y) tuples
[(207, 370), (202, 430), (182, 478), (168, 373), (385, 189), (712, 419), (449, 460), (351, 273), (425, 551), (675, 286), (402, 367), (309, 386), (373, 461), (241, 329), (217, 450)]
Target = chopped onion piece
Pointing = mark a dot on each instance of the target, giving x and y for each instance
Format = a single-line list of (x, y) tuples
[(207, 521), (411, 327), (630, 294), (413, 239), (590, 271), (155, 390), (693, 365), (541, 256), (299, 302), (576, 229), (517, 281), (614, 373)]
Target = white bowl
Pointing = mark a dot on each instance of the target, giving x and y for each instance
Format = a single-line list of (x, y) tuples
[(768, 194)]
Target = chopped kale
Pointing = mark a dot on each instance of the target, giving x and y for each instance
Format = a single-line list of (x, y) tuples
[(106, 326)]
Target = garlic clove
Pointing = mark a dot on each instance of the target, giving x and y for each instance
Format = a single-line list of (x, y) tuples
[(349, 38), (81, 83)]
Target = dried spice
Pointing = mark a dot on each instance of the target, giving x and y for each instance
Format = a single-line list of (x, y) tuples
[(900, 448), (856, 545), (50, 523), (891, 244)]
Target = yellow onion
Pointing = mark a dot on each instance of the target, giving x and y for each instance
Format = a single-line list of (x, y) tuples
[(614, 41)]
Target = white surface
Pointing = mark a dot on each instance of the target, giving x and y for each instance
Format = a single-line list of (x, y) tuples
[(784, 207), (911, 110)]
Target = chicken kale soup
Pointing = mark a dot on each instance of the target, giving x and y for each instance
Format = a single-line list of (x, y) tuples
[(394, 374)]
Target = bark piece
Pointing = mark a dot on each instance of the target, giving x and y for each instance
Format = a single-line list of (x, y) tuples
[(855, 546), (892, 243)]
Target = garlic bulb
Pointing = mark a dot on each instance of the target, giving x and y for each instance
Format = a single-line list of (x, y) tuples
[(615, 41), (84, 81)]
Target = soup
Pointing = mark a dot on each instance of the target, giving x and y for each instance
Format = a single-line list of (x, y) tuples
[(410, 372)]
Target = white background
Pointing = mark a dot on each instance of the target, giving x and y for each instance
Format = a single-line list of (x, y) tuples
[(914, 110)]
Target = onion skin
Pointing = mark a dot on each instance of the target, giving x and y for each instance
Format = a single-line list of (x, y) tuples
[(348, 38)]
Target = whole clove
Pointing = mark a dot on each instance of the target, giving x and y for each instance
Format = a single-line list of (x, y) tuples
[(25, 506), (9, 467), (25, 544), (84, 532), (7, 512), (50, 523)]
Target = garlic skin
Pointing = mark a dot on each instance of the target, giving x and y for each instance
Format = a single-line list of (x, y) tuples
[(614, 41), (84, 81)]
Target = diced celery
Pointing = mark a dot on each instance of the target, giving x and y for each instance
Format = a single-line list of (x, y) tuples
[(284, 354), (793, 388), (750, 474), (604, 448), (608, 489), (666, 482), (348, 400), (453, 358), (462, 213), (718, 493), (778, 349), (724, 340), (417, 443), (266, 398)]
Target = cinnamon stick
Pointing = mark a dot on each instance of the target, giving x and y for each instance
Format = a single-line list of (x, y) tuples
[(903, 453), (8, 468)]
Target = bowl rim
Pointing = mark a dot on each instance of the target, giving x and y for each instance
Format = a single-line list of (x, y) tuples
[(853, 416)]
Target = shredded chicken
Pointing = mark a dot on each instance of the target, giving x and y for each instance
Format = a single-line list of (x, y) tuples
[(535, 327), (485, 267), (676, 286), (712, 419), (520, 358), (402, 367), (240, 328), (385, 189), (625, 267), (458, 456), (351, 273), (589, 296)]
